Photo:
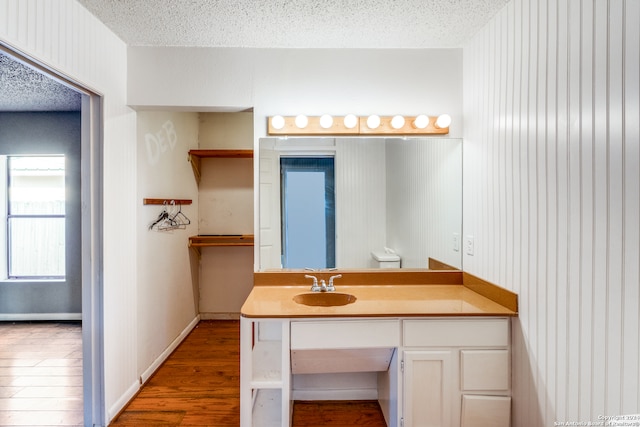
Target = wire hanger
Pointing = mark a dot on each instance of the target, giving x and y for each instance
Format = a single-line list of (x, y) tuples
[(180, 218), (167, 220)]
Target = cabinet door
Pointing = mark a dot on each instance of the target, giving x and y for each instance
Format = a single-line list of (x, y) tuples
[(428, 380)]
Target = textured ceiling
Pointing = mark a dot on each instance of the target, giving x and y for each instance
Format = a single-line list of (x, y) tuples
[(295, 23), (259, 24), (24, 89)]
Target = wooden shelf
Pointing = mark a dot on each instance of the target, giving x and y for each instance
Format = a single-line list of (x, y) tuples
[(203, 241), (196, 155), (221, 240), (228, 154), (167, 202)]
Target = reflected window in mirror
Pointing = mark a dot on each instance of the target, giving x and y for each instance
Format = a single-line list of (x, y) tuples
[(308, 212)]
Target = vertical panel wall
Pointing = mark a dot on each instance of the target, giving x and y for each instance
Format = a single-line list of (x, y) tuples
[(360, 179), (551, 195), (62, 34), (424, 199)]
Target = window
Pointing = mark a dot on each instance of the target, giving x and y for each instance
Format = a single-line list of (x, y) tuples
[(35, 217)]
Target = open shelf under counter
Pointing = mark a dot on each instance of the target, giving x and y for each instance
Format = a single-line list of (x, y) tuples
[(267, 365), (267, 410)]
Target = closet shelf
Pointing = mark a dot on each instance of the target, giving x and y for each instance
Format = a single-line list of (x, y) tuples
[(196, 155), (227, 154), (203, 241)]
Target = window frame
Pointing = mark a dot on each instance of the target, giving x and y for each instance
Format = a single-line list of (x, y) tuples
[(6, 186)]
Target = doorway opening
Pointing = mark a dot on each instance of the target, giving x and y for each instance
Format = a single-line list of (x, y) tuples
[(308, 212), (56, 102)]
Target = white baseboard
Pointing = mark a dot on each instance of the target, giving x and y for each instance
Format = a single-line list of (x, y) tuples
[(39, 317), (356, 394), (123, 401), (167, 352), (220, 316)]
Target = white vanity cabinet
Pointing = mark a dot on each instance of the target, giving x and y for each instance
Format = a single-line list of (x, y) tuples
[(456, 372), (436, 372)]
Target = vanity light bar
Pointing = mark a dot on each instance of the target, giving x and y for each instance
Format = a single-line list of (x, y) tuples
[(296, 125), (353, 125)]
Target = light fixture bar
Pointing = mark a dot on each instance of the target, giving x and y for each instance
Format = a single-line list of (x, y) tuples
[(337, 125), (314, 126)]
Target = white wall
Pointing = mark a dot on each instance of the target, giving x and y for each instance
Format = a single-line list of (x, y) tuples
[(167, 270), (551, 194), (293, 81), (65, 36)]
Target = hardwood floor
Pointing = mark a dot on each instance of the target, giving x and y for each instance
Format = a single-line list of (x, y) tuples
[(338, 414), (40, 374), (199, 385)]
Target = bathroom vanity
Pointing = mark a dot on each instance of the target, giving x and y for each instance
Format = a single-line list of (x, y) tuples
[(438, 349)]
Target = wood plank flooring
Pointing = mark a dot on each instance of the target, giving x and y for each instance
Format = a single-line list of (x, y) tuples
[(40, 374), (338, 414), (199, 385)]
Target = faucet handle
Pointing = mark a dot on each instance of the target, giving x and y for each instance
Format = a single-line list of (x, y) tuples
[(314, 286), (331, 287)]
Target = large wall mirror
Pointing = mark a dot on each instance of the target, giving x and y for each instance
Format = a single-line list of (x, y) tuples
[(377, 196)]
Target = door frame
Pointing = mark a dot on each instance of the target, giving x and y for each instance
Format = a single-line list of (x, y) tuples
[(91, 194)]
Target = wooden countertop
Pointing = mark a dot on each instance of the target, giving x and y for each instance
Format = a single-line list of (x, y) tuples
[(395, 300)]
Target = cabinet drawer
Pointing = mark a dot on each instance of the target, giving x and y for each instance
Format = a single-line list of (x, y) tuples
[(485, 411), (456, 333), (484, 370), (345, 334)]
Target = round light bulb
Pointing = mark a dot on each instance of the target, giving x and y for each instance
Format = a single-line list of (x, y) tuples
[(326, 121), (444, 120), (277, 122), (373, 121), (350, 121), (302, 121), (397, 122), (421, 121)]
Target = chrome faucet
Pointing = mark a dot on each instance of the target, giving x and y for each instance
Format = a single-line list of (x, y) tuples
[(322, 285)]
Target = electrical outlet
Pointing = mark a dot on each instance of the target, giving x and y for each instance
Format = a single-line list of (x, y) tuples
[(469, 245), (456, 242)]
